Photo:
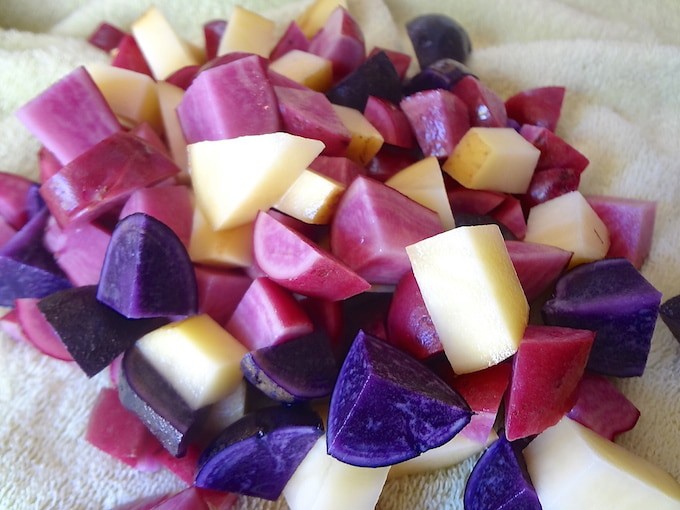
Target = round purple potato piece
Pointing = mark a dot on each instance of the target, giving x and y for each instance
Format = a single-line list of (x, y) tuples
[(299, 369), (500, 481), (257, 455), (435, 36), (147, 271), (386, 407), (613, 299), (442, 74)]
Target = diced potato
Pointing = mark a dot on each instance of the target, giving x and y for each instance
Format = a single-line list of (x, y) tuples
[(570, 223), (163, 49), (472, 293), (169, 97), (248, 31), (316, 15), (306, 68), (573, 467), (235, 178), (423, 182), (312, 198), (366, 139), (131, 95), (496, 159), (324, 483), (231, 248), (198, 357)]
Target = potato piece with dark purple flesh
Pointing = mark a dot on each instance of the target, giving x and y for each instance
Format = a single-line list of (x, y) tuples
[(299, 369), (93, 333), (613, 299), (257, 455), (500, 480), (27, 268), (147, 271), (670, 315), (146, 393), (387, 408)]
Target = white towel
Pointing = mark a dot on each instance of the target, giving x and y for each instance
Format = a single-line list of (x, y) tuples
[(620, 62)]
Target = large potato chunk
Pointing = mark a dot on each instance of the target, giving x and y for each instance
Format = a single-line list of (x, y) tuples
[(472, 293)]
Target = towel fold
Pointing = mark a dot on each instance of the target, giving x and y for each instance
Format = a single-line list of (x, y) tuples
[(620, 62)]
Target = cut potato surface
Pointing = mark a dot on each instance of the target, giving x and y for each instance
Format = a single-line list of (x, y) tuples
[(249, 32)]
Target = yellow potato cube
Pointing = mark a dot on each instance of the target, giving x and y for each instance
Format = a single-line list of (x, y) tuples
[(197, 356), (169, 97), (496, 159), (472, 293), (366, 140), (235, 178), (312, 198), (305, 68), (315, 16), (570, 223), (230, 248), (573, 467), (248, 31)]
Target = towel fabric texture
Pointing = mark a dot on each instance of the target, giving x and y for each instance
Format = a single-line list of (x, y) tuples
[(620, 63)]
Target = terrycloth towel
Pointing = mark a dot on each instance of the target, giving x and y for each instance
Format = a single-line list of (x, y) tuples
[(620, 62)]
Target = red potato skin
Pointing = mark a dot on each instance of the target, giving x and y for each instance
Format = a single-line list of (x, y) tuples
[(128, 56), (292, 39), (546, 371), (13, 197), (212, 34), (106, 36), (538, 266), (340, 169), (555, 152), (485, 108), (541, 106), (400, 61), (48, 163), (219, 291), (510, 214), (471, 201), (390, 121)]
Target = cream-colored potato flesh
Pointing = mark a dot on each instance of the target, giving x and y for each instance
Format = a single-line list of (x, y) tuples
[(164, 51), (230, 248), (248, 31), (130, 95), (570, 223), (572, 468), (472, 293), (366, 140), (169, 98), (324, 483), (235, 178), (305, 68), (312, 198), (423, 182), (197, 356), (496, 159), (315, 16)]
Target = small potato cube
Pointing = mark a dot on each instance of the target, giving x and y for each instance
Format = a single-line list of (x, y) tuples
[(248, 31), (229, 248), (472, 293), (305, 68), (198, 357), (169, 98), (163, 49), (312, 198), (570, 223), (366, 139), (496, 159), (315, 16)]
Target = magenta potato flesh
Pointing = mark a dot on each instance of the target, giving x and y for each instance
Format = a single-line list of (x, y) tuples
[(299, 369), (145, 392), (435, 36), (147, 271), (499, 480), (613, 299), (386, 407), (93, 333), (257, 455)]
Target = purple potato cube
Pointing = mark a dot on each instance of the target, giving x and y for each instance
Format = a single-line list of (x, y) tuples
[(613, 299), (670, 315)]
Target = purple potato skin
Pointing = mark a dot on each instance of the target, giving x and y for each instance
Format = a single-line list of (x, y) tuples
[(386, 407), (670, 314), (435, 36), (296, 370), (613, 299), (147, 271), (442, 74), (27, 268), (145, 392), (257, 455), (93, 333), (500, 480)]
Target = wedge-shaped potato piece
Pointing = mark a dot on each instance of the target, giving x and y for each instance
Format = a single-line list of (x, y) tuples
[(570, 223), (496, 159), (473, 295), (248, 31), (231, 247), (199, 358), (305, 68), (163, 49), (169, 98), (234, 178), (312, 198), (593, 472), (423, 183), (366, 140), (314, 17)]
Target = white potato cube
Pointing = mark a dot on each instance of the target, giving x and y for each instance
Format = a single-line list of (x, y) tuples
[(496, 159), (573, 467), (197, 356), (472, 293)]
